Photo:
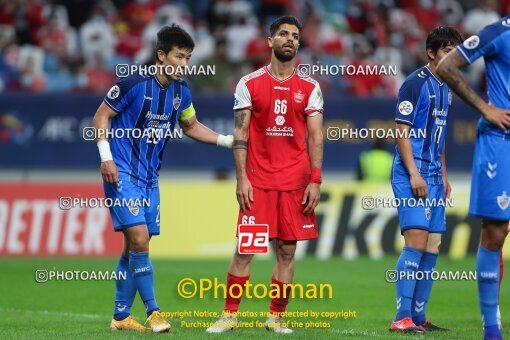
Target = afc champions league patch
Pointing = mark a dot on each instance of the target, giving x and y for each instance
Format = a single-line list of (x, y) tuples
[(114, 92), (503, 201), (405, 108), (471, 42)]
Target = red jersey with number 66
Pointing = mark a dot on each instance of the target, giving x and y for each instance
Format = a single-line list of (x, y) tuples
[(277, 154)]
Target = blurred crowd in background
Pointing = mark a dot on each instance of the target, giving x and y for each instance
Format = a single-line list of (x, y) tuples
[(75, 45)]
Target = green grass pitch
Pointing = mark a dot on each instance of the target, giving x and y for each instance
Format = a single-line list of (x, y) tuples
[(82, 309)]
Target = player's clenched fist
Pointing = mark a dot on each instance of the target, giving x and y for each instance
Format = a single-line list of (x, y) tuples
[(244, 194), (109, 172)]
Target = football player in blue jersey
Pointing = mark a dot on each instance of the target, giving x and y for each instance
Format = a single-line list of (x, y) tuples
[(419, 173), (145, 108), (490, 183)]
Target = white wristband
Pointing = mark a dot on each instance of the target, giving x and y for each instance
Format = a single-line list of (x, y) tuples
[(104, 150), (225, 141)]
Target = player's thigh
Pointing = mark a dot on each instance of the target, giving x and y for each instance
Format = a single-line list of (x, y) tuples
[(490, 182), (153, 211), (437, 208), (125, 215), (293, 225), (264, 210), (410, 216)]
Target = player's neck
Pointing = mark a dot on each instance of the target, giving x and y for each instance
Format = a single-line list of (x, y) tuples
[(162, 79), (433, 69), (281, 70)]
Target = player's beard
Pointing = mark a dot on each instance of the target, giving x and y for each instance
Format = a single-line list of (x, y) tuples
[(284, 56)]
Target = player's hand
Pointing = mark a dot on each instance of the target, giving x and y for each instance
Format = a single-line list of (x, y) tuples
[(311, 197), (497, 116), (109, 172), (447, 187), (419, 186), (244, 194)]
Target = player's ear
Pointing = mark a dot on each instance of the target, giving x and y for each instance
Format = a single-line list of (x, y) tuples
[(270, 42), (431, 54), (160, 55)]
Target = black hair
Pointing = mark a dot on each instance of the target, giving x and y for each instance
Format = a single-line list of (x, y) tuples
[(286, 19), (442, 36), (173, 36)]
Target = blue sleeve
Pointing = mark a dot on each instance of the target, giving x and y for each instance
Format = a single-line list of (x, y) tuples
[(486, 42), (408, 100), (121, 95)]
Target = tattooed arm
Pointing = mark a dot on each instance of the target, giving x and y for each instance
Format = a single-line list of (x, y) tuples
[(244, 189), (449, 70)]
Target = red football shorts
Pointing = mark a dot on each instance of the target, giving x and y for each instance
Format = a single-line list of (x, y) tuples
[(283, 212)]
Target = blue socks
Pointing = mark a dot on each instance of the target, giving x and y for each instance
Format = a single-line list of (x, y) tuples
[(141, 269), (423, 288), (408, 262), (487, 273), (125, 289)]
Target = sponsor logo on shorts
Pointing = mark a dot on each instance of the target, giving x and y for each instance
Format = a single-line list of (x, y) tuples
[(427, 213), (503, 201), (309, 226), (491, 172)]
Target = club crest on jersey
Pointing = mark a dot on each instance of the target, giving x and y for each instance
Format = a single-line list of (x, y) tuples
[(472, 42), (405, 108), (279, 120), (427, 213), (114, 92), (134, 209), (299, 96), (177, 102), (503, 201)]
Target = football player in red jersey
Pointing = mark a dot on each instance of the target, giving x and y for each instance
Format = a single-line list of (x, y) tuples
[(278, 113)]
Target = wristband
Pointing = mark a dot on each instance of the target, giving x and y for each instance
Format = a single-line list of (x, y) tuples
[(225, 141), (316, 176), (104, 150)]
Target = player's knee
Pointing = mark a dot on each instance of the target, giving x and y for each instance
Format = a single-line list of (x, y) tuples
[(139, 243), (434, 243), (494, 234), (285, 253), (242, 259)]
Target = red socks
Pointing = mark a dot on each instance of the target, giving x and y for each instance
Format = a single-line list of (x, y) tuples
[(232, 303), (279, 304)]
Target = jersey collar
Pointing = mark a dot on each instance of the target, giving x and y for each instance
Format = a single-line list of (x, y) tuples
[(278, 80), (160, 85), (433, 75)]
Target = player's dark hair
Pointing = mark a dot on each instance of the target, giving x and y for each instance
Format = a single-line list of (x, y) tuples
[(442, 36), (173, 36), (286, 19)]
